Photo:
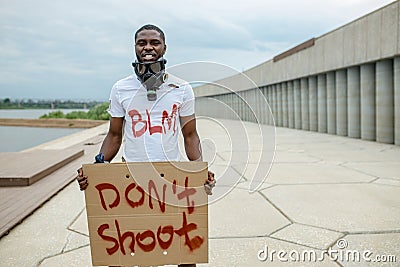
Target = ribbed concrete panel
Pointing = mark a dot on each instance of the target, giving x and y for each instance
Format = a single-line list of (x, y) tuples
[(290, 93), (269, 97), (246, 109), (397, 100), (322, 112), (263, 107), (217, 108), (279, 104), (331, 102), (214, 110), (244, 106), (231, 111), (237, 102), (255, 117), (257, 100), (230, 101), (258, 103), (285, 120), (268, 115), (223, 100), (263, 111), (252, 106), (241, 104), (266, 112), (367, 88), (297, 104), (275, 103), (341, 102), (353, 102), (227, 103), (305, 116), (235, 105), (384, 102), (313, 103), (271, 105)]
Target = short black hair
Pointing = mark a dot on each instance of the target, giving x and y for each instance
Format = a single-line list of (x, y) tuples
[(150, 27)]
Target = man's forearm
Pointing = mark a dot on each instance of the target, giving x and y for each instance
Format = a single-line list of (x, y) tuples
[(110, 146), (192, 148)]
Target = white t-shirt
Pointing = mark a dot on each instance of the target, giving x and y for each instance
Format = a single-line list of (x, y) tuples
[(151, 127)]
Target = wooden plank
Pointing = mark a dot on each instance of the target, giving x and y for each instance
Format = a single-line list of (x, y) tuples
[(26, 168), (19, 202)]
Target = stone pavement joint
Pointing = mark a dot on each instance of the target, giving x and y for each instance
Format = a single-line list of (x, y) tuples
[(74, 221), (276, 207)]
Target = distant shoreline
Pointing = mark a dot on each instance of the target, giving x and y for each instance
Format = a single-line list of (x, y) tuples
[(51, 123)]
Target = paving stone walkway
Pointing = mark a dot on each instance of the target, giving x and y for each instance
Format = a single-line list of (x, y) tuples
[(322, 193)]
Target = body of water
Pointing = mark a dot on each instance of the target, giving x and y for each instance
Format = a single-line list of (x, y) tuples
[(16, 138), (31, 113)]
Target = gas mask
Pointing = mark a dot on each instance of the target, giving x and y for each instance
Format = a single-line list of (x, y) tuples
[(152, 75)]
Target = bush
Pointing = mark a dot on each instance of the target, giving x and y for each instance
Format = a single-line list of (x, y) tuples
[(53, 115), (98, 112), (77, 115)]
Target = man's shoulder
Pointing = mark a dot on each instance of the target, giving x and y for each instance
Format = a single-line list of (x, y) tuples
[(128, 82), (176, 82)]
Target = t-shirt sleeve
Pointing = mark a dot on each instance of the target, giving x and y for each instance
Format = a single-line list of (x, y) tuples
[(115, 109), (187, 107)]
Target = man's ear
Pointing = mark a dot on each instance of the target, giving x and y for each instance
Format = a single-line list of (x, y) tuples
[(165, 49)]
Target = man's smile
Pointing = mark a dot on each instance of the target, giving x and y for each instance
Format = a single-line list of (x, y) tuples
[(149, 57)]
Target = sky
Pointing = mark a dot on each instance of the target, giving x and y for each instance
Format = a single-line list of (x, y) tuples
[(77, 49)]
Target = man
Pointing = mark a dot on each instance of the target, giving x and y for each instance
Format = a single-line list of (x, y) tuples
[(148, 108)]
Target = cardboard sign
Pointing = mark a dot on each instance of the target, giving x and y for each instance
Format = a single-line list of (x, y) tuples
[(147, 213)]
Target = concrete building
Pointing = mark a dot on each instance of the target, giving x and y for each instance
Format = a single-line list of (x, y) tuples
[(345, 82)]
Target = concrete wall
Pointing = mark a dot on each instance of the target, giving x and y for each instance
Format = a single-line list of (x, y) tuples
[(347, 83)]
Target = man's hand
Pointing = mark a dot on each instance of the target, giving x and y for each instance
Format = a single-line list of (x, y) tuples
[(82, 180), (210, 183)]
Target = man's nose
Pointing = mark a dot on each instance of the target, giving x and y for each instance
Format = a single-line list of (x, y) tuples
[(148, 46)]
